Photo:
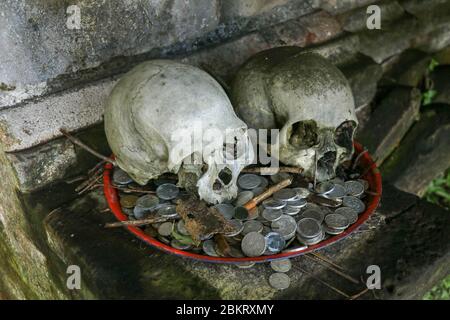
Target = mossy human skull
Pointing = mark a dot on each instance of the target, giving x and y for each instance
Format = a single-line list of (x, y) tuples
[(151, 123), (304, 96)]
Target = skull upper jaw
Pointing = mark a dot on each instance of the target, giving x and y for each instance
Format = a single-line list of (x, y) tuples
[(320, 155)]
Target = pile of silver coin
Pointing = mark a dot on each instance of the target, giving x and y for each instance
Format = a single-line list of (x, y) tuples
[(289, 220)]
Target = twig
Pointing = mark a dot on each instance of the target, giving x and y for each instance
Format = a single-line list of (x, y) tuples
[(356, 296), (96, 167), (358, 157), (86, 183), (323, 282), (92, 181), (315, 169), (333, 269), (270, 171), (266, 194), (79, 143), (135, 223), (325, 259), (132, 190)]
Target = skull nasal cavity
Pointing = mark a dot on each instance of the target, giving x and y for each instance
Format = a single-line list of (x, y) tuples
[(225, 175), (328, 160), (303, 134)]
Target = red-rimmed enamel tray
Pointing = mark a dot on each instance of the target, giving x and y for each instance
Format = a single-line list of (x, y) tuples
[(372, 175)]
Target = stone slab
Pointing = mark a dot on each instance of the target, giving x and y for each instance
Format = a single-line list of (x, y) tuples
[(392, 39), (390, 121), (409, 70), (339, 6), (39, 43), (356, 20), (34, 123), (424, 153), (363, 74)]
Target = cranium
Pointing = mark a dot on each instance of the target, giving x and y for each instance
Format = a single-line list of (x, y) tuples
[(164, 116), (307, 98)]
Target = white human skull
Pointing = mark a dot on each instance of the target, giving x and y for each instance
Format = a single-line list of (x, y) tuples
[(164, 116), (307, 98)]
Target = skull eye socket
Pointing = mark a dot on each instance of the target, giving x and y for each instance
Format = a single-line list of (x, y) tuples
[(343, 136), (304, 134)]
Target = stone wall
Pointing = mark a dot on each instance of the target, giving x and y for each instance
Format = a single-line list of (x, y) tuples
[(53, 76)]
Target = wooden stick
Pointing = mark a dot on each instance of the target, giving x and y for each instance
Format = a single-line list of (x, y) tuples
[(271, 171), (333, 269), (325, 259), (266, 194), (127, 189), (79, 143), (356, 296), (358, 157), (135, 223), (323, 282)]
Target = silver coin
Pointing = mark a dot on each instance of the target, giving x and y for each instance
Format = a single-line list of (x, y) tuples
[(295, 248), (264, 182), (336, 221), (120, 177), (140, 213), (303, 193), (236, 253), (241, 213), (332, 231), (227, 210), (354, 203), (290, 211), (168, 211), (325, 187), (148, 201), (181, 228), (243, 197), (314, 214), (238, 227), (277, 178), (349, 213), (279, 281), (275, 242), (266, 230), (253, 244), (167, 191), (179, 245), (281, 265), (311, 205), (208, 247), (165, 229), (262, 187), (365, 183), (257, 191), (249, 181), (285, 195), (286, 226), (252, 226), (338, 181), (354, 188), (272, 214), (338, 192), (308, 228), (311, 241), (273, 204), (245, 265), (298, 204)]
